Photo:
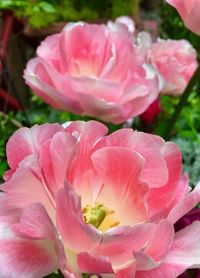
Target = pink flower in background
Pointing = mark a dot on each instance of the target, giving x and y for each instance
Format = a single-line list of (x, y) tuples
[(176, 61), (93, 70), (189, 11), (83, 201), (152, 111)]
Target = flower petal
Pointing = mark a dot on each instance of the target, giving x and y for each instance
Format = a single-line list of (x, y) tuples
[(25, 187), (120, 169), (185, 205), (75, 233), (25, 258), (184, 254), (94, 264), (58, 151), (27, 141), (119, 243)]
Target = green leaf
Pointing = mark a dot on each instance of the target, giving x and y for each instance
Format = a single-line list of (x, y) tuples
[(46, 7)]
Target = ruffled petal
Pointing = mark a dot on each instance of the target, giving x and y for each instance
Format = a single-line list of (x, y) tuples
[(120, 169), (76, 235), (56, 157), (25, 187), (27, 141), (25, 257), (94, 264), (184, 254), (185, 205)]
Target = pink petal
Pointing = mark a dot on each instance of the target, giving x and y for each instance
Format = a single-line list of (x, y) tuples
[(186, 247), (94, 264), (38, 76), (75, 233), (148, 146), (87, 134), (99, 108), (119, 243), (184, 254), (35, 223), (192, 20), (27, 141), (174, 189), (163, 237), (25, 187), (49, 49), (126, 273), (185, 205), (25, 258), (120, 169), (100, 89), (56, 157), (144, 261), (87, 57)]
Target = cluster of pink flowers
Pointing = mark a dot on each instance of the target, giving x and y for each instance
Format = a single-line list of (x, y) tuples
[(104, 72), (79, 200), (83, 201)]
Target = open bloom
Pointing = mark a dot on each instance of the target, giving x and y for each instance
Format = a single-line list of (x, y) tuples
[(93, 70), (83, 201), (189, 11), (176, 61)]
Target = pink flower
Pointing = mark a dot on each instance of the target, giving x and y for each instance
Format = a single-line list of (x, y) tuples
[(176, 62), (93, 70), (83, 201), (189, 11)]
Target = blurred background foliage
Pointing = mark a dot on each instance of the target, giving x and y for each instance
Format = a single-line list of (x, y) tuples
[(41, 13)]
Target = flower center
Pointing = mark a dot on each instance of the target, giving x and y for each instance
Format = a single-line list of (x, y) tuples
[(100, 217)]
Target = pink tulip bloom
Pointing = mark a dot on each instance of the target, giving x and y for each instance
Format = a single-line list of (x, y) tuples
[(93, 70), (189, 11), (83, 201), (176, 61)]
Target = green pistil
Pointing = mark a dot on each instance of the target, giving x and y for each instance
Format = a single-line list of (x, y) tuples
[(95, 215)]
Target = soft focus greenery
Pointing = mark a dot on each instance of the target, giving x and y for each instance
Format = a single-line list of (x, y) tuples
[(41, 13)]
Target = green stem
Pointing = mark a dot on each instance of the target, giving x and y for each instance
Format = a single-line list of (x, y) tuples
[(195, 78)]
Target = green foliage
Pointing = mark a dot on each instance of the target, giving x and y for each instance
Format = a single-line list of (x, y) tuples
[(191, 157), (33, 114), (41, 13), (188, 124), (129, 7)]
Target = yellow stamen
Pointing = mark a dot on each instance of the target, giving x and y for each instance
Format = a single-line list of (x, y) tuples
[(100, 217)]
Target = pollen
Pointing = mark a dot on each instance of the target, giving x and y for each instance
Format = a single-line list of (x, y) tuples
[(100, 217)]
